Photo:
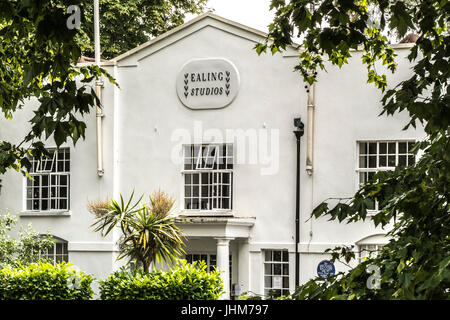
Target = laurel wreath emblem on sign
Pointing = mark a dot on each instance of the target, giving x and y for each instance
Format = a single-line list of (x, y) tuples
[(186, 86), (227, 85)]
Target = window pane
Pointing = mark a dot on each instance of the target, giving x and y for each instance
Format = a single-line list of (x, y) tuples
[(277, 256), (382, 161), (62, 204), (204, 204), (268, 282), (391, 161), (285, 269), (370, 204), (383, 147), (225, 203), (362, 177), (402, 160), (285, 282), (391, 147), (373, 148), (363, 162), (63, 180), (362, 148), (187, 191), (277, 269), (402, 147), (44, 205), (60, 167), (285, 256), (372, 162), (188, 166)]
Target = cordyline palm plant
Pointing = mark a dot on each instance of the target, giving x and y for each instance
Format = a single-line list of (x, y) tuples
[(149, 232)]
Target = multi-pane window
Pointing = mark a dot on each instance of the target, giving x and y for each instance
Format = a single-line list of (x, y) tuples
[(58, 253), (49, 188), (208, 177), (374, 156), (209, 259), (368, 251), (276, 272)]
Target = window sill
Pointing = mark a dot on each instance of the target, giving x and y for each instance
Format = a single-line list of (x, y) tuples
[(53, 213), (205, 213)]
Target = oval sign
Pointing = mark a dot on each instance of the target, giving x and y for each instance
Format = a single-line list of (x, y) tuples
[(325, 268), (210, 83)]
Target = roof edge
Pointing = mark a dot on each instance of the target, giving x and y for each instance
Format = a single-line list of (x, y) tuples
[(184, 26)]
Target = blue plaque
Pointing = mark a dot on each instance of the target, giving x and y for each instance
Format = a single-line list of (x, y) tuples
[(325, 268)]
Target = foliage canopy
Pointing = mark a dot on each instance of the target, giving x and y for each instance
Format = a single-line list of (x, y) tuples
[(416, 262)]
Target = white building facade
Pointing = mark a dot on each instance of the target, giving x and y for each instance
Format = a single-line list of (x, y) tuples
[(201, 116)]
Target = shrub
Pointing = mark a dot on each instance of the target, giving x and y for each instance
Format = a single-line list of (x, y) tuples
[(26, 247), (44, 281), (183, 282)]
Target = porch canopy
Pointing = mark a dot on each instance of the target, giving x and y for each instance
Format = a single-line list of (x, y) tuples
[(223, 230)]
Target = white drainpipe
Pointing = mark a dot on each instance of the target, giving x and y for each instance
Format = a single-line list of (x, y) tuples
[(310, 131), (98, 91)]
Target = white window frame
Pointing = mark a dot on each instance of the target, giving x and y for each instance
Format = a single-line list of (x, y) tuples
[(200, 156), (52, 254), (215, 175), (377, 156), (53, 181), (284, 290)]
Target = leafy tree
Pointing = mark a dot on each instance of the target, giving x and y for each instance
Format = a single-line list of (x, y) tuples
[(38, 55), (149, 232), (415, 264), (26, 248), (126, 24)]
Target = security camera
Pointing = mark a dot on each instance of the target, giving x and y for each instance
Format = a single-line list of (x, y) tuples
[(298, 123)]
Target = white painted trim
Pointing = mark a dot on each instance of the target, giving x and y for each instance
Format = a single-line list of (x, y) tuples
[(49, 213), (92, 247)]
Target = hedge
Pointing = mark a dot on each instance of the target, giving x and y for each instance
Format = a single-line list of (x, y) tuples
[(183, 282), (44, 281)]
